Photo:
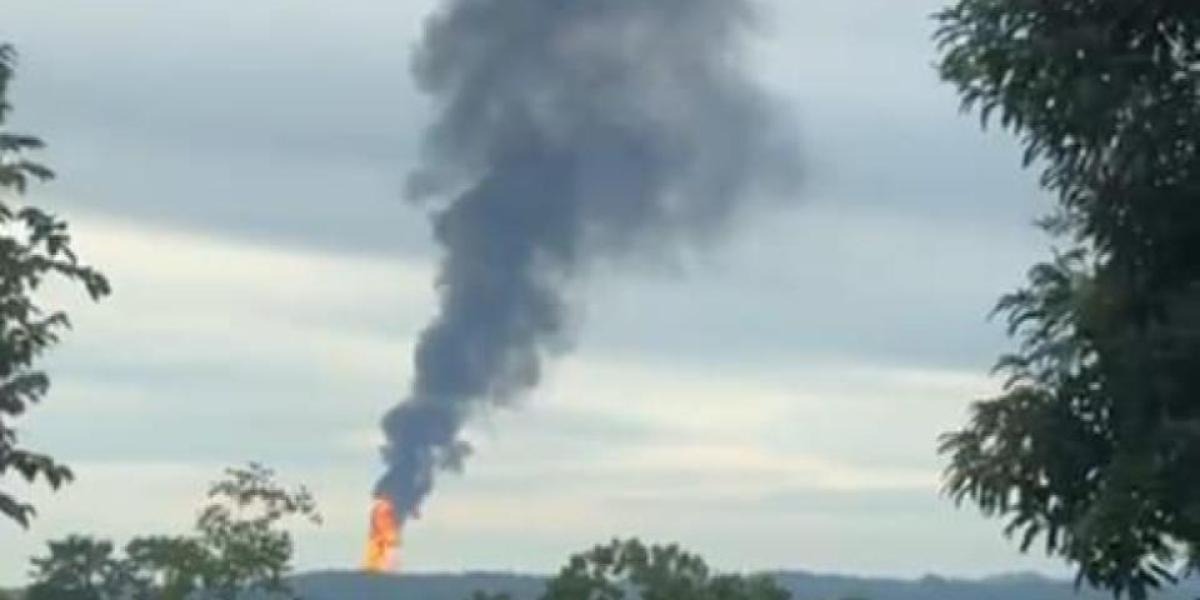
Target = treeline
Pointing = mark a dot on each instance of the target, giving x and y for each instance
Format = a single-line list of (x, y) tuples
[(238, 548)]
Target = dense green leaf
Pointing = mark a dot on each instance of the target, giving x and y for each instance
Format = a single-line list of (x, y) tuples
[(628, 568), (238, 547), (34, 246), (1093, 446)]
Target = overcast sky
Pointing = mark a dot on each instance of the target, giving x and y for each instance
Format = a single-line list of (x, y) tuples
[(236, 168)]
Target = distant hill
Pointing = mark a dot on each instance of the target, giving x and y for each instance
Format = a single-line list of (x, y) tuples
[(1023, 586), (357, 585), (343, 585)]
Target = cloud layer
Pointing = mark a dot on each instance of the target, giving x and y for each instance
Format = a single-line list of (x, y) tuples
[(238, 170)]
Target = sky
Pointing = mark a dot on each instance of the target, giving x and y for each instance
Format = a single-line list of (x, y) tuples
[(771, 401)]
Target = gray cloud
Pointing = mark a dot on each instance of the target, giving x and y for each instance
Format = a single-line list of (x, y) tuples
[(288, 124), (292, 124)]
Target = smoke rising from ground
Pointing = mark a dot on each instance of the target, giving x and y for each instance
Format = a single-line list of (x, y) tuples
[(568, 131)]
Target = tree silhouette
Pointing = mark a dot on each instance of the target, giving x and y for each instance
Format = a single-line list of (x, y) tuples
[(655, 572), (239, 528), (80, 568), (34, 246), (238, 548), (167, 568), (629, 568), (1094, 446)]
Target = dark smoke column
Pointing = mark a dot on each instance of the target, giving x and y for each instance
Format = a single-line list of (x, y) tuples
[(569, 131)]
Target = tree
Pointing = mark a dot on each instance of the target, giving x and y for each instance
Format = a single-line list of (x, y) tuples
[(612, 571), (34, 246), (1094, 444), (239, 530), (238, 547), (167, 568), (80, 568)]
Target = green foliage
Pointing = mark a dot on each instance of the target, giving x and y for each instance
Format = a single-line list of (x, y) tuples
[(34, 247), (1093, 446), (79, 568), (613, 571), (239, 529), (168, 568), (238, 548)]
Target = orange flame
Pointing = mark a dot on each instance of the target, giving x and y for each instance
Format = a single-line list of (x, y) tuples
[(383, 537)]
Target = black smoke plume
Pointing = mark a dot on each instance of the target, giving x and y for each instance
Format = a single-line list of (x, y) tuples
[(568, 131)]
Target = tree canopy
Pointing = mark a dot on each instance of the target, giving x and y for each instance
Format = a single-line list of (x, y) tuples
[(630, 569), (34, 246), (80, 568), (1093, 447), (238, 547)]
